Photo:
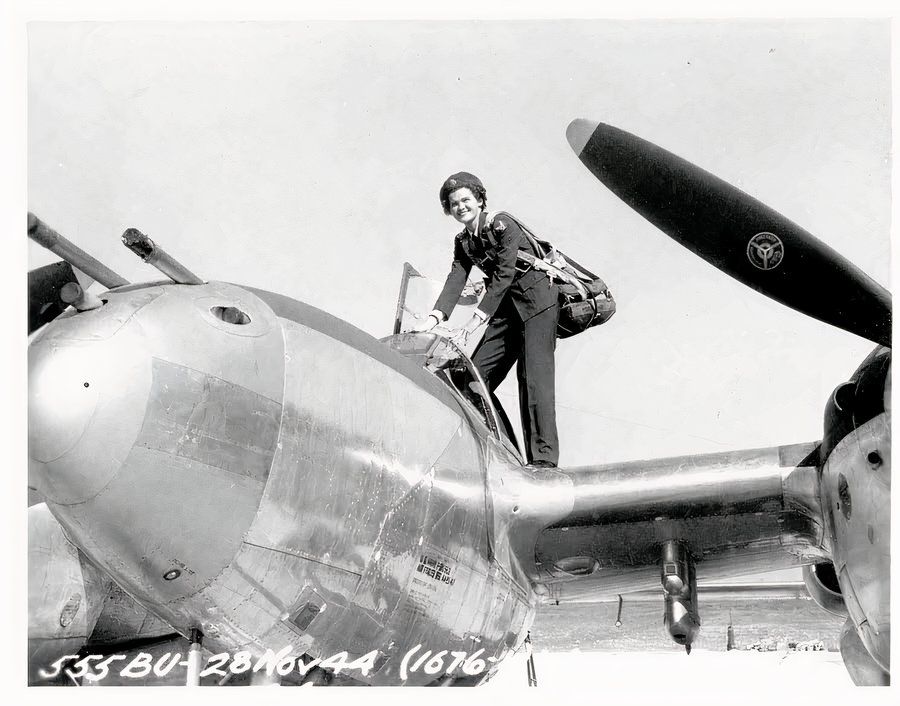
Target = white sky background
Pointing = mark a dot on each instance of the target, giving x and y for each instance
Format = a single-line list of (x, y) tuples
[(305, 158)]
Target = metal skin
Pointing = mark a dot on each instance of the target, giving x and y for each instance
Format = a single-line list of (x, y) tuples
[(856, 494), (755, 509), (822, 586), (862, 668), (276, 477), (231, 476), (65, 593)]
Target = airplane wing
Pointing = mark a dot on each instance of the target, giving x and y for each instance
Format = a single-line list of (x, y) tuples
[(732, 513), (662, 524)]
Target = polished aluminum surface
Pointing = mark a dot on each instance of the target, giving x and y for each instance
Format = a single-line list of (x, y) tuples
[(139, 439), (736, 511), (856, 482), (65, 593), (284, 479), (863, 669), (820, 581), (333, 499)]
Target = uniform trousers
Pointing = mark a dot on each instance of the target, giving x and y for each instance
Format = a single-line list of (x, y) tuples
[(530, 344)]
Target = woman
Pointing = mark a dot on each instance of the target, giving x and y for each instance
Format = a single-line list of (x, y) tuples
[(521, 306)]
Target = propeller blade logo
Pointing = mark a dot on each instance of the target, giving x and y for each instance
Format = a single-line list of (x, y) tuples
[(765, 251)]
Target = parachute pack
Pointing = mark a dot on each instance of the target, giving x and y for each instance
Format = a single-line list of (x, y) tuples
[(585, 300)]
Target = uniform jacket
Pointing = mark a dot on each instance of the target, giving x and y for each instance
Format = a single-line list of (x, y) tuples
[(493, 248)]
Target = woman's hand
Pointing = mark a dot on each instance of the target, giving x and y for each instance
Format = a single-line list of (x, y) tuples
[(461, 335)]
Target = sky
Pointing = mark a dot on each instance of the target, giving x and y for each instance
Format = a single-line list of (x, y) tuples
[(306, 158)]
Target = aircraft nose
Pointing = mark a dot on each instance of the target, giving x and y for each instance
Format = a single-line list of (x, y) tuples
[(579, 132), (60, 407), (154, 421), (86, 397)]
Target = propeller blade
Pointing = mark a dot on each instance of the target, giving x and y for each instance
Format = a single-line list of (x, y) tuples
[(44, 284), (733, 231)]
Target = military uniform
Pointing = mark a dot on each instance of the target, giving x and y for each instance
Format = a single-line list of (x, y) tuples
[(522, 309)]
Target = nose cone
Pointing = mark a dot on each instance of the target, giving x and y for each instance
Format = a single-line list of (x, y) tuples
[(86, 400), (153, 423), (61, 400), (579, 132)]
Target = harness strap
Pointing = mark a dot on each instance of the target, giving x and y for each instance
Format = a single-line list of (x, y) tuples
[(539, 262), (529, 236), (554, 271), (536, 244)]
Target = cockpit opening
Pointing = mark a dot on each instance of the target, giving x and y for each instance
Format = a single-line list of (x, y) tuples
[(447, 362)]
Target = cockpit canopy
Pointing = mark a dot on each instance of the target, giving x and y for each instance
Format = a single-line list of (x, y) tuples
[(447, 362)]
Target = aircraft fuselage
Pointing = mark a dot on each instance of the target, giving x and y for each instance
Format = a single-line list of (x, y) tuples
[(277, 478)]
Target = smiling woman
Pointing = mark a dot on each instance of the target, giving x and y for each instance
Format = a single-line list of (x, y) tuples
[(520, 306)]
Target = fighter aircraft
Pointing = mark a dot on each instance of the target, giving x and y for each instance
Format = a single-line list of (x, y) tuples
[(235, 467)]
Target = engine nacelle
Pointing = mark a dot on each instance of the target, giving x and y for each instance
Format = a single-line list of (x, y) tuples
[(863, 670), (855, 489), (823, 587), (65, 594)]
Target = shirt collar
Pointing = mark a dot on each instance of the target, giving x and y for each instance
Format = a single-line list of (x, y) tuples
[(479, 224)]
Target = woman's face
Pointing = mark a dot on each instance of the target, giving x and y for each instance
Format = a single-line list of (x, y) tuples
[(464, 206)]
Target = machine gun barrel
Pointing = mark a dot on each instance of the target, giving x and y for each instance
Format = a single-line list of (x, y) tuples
[(45, 236), (142, 246)]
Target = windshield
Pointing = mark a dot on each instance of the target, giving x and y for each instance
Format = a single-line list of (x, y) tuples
[(443, 359)]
